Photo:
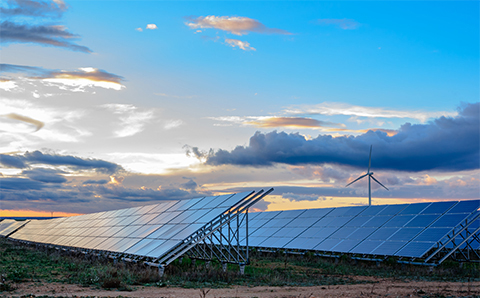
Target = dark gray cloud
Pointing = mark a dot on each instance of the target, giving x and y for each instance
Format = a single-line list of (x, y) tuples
[(22, 69), (17, 28), (99, 165), (102, 181), (143, 194), (24, 193), (40, 8), (52, 35), (45, 175), (18, 184), (37, 157), (12, 161), (444, 144), (195, 152)]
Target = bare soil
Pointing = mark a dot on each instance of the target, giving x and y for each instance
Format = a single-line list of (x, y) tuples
[(377, 287)]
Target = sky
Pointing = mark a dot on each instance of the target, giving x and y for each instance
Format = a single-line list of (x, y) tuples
[(113, 104)]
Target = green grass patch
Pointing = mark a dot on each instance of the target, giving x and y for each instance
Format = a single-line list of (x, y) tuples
[(22, 263)]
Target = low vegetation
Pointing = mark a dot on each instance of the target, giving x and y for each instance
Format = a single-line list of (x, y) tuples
[(22, 263)]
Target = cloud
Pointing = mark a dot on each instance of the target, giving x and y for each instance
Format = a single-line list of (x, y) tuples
[(38, 158), (172, 124), (116, 180), (301, 197), (33, 8), (291, 122), (240, 44), (76, 162), (139, 29), (50, 35), (330, 108), (445, 144), (151, 27), (131, 120), (12, 161), (33, 31), (345, 24), (7, 85), (36, 123), (23, 193), (78, 80), (190, 185), (269, 121), (60, 124), (324, 173), (45, 175), (175, 96), (197, 153), (235, 25), (18, 184), (85, 77), (90, 181)]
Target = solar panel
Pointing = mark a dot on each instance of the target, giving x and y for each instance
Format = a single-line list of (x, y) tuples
[(414, 208), (415, 249), (407, 230), (438, 208), (387, 248), (465, 207), (375, 230), (8, 226), (144, 230)]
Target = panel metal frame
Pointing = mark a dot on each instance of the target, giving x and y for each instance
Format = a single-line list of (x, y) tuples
[(211, 242)]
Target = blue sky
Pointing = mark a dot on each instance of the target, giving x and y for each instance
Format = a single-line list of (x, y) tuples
[(175, 96)]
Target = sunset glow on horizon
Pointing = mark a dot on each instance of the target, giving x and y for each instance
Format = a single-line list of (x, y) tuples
[(31, 213)]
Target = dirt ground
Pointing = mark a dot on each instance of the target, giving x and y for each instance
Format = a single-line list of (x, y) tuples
[(376, 288)]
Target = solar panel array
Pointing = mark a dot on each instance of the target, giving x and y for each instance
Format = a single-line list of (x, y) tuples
[(149, 231), (408, 230), (8, 226)]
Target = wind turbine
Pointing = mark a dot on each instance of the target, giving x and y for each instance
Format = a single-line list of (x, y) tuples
[(370, 175)]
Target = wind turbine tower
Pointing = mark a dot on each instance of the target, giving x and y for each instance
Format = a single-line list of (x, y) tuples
[(370, 176)]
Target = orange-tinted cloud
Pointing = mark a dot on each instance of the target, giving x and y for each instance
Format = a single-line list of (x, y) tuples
[(297, 123), (78, 79), (37, 123), (234, 25), (116, 180), (87, 76), (293, 122)]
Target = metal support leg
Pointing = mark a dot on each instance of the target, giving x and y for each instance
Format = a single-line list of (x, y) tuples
[(224, 267), (242, 269), (161, 271)]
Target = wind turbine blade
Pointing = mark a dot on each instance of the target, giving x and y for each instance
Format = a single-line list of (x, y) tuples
[(370, 159), (356, 180), (378, 182)]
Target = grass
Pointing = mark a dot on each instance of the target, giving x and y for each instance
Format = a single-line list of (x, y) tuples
[(22, 263)]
